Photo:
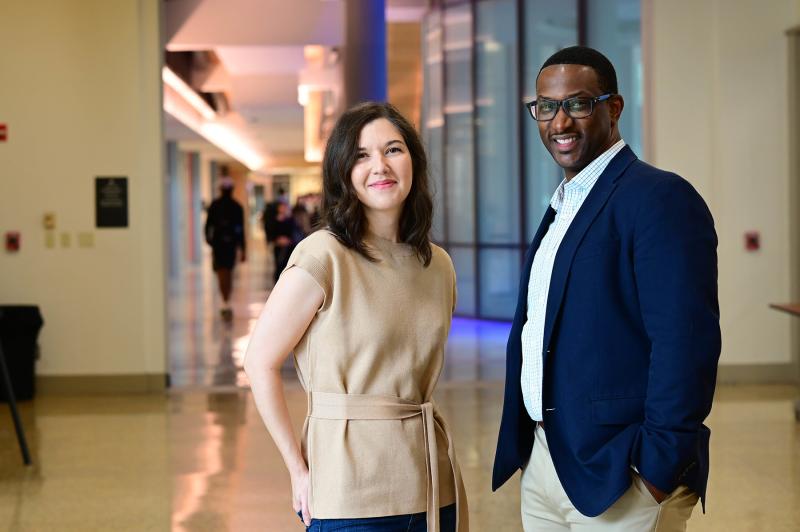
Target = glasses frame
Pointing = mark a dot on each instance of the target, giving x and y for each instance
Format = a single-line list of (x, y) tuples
[(563, 105)]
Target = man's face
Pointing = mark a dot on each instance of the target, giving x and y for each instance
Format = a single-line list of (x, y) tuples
[(283, 212), (575, 142)]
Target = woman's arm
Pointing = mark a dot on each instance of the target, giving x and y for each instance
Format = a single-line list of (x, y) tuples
[(289, 310)]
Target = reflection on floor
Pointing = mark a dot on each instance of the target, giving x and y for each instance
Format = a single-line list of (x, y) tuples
[(204, 351), (207, 353), (199, 459)]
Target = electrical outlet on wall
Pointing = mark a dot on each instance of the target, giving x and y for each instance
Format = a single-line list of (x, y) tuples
[(86, 239)]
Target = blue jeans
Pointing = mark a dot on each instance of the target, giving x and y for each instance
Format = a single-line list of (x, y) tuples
[(392, 523)]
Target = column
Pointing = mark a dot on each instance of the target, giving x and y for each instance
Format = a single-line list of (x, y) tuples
[(365, 51)]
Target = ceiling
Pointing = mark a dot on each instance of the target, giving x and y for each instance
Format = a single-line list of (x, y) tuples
[(258, 51)]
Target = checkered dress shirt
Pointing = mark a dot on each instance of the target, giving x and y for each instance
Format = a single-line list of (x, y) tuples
[(566, 201)]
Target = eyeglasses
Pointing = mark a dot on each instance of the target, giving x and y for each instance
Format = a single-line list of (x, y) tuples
[(543, 109)]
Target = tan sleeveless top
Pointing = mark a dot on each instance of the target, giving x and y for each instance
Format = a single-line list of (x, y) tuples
[(369, 362)]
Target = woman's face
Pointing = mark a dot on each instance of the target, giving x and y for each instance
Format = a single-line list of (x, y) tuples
[(383, 172)]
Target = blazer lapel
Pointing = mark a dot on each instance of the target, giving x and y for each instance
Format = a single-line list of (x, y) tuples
[(591, 207)]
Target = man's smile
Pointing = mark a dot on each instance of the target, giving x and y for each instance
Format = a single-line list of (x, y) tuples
[(565, 143)]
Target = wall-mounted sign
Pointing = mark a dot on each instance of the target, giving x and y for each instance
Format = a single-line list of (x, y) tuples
[(13, 239), (111, 201)]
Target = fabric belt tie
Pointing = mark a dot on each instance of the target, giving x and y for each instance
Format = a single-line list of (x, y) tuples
[(324, 405)]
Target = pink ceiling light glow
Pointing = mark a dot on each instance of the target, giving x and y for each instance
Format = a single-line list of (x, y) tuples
[(171, 79), (187, 107)]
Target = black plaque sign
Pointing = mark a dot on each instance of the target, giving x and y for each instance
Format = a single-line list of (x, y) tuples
[(111, 201)]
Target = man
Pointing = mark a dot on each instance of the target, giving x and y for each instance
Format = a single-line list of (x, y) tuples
[(224, 232), (283, 239), (612, 356), (279, 229), (270, 215)]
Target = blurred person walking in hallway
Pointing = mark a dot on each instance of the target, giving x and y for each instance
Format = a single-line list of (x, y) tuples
[(224, 231), (365, 304), (279, 229), (612, 356), (283, 235), (270, 214), (302, 223)]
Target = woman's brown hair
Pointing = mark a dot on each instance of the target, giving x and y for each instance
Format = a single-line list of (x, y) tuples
[(342, 211)]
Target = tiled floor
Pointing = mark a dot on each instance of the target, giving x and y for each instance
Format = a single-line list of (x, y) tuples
[(199, 459)]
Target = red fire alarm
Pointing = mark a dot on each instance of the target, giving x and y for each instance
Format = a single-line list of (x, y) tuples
[(12, 241), (752, 241), (3, 132)]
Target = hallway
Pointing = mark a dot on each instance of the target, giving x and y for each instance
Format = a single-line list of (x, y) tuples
[(199, 459)]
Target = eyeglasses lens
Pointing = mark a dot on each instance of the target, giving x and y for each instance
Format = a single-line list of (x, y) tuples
[(579, 107), (544, 110), (575, 107)]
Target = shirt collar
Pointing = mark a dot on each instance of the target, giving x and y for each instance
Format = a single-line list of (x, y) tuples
[(586, 178)]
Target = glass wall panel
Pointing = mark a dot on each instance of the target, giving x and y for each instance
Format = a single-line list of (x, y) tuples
[(614, 28), (464, 263), (500, 271), (478, 71), (497, 121), (549, 26), (434, 144), (458, 111), (432, 115)]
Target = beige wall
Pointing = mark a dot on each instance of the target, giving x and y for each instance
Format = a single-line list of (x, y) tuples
[(719, 94), (80, 92)]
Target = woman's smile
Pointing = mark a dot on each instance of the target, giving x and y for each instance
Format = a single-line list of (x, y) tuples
[(383, 184)]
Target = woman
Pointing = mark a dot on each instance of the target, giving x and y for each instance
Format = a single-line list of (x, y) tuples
[(366, 305)]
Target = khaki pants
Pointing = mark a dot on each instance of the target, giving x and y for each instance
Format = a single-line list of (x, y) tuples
[(546, 507)]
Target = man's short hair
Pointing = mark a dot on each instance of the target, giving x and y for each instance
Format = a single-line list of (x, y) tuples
[(583, 55)]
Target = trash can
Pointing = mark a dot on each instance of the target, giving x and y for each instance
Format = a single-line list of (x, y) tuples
[(19, 330)]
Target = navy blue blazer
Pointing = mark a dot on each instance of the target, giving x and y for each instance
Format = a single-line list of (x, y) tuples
[(631, 341)]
